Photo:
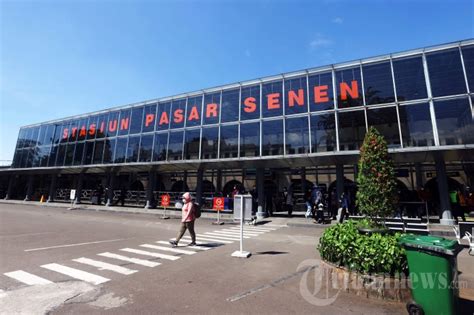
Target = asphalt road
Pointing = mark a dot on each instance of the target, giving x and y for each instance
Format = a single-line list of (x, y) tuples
[(50, 248)]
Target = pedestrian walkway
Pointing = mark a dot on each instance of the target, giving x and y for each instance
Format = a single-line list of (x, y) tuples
[(144, 255)]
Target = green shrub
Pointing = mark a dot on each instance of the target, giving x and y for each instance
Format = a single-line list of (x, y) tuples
[(344, 246)]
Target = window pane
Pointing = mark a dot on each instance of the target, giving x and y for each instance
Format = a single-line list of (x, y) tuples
[(35, 156), (78, 153), (349, 88), (109, 150), (175, 146), (229, 141), (101, 126), (296, 96), (41, 134), (124, 122), (272, 99), (149, 118), (146, 148), (409, 79), (415, 122), (120, 150), (48, 136), (44, 155), (24, 158), (52, 156), (230, 105), (82, 132), (61, 155), (378, 83), (385, 121), (446, 75), (323, 133), (321, 96), (132, 149), (92, 127), (98, 152), (250, 102), (137, 118), (30, 157), (191, 144), (272, 137), (454, 122), (209, 143), (58, 132), (178, 108), (297, 135), (88, 153), (468, 57), (194, 111), (64, 136), (351, 130), (211, 108), (159, 150), (112, 124), (163, 116), (21, 138), (250, 139), (69, 154)]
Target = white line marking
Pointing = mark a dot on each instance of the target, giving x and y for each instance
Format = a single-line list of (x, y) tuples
[(26, 277), (252, 229), (168, 249), (192, 247), (209, 239), (70, 245), (275, 225), (226, 234), (105, 266), (205, 244), (245, 231), (76, 273), (214, 237), (26, 234), (142, 252), (237, 232), (132, 260)]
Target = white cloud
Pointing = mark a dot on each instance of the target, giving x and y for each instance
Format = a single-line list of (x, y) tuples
[(338, 20), (320, 41)]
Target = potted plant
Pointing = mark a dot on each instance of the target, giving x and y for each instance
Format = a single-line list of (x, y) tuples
[(376, 183)]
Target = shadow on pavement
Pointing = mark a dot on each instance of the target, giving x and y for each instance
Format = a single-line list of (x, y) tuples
[(271, 252)]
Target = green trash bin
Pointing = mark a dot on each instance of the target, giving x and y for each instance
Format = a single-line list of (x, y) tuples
[(432, 264)]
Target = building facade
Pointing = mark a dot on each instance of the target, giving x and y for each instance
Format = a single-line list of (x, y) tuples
[(298, 129)]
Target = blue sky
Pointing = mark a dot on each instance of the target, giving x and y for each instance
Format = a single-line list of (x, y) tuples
[(62, 58)]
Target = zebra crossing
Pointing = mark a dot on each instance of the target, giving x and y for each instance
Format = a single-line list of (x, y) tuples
[(143, 255)]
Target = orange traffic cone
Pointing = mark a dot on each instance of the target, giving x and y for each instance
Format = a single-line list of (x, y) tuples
[(42, 198)]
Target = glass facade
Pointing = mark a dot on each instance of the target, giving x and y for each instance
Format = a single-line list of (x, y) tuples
[(418, 99)]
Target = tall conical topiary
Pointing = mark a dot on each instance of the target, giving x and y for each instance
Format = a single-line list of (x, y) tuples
[(376, 178)]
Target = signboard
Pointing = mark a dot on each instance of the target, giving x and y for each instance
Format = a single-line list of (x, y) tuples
[(165, 200), (243, 203), (72, 196), (218, 203)]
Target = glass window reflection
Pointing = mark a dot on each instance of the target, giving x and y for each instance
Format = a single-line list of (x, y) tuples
[(297, 135), (349, 88), (351, 130), (124, 122), (160, 146), (321, 95), (468, 57), (120, 150), (191, 144), (209, 143), (78, 153), (272, 99), (69, 154), (109, 148), (250, 102), (229, 145), (415, 123), (194, 111), (178, 113), (230, 105), (296, 96), (446, 74), (323, 133), (101, 126), (250, 139), (163, 116), (409, 78), (133, 149), (272, 137), (175, 146), (211, 108), (112, 125), (146, 148), (386, 122), (378, 83), (136, 120), (149, 118), (454, 120)]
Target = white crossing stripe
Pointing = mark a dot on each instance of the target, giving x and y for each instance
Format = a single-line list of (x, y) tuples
[(238, 232), (209, 238), (219, 236), (188, 238), (226, 234), (277, 226), (250, 230), (142, 252), (168, 249), (136, 261), (26, 277), (105, 266), (192, 247), (253, 229), (76, 273)]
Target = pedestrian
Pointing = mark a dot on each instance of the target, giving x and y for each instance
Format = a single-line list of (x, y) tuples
[(123, 194), (187, 220), (307, 200), (456, 208), (344, 208), (289, 200)]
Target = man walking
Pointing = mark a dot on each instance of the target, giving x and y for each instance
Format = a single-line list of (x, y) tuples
[(187, 220)]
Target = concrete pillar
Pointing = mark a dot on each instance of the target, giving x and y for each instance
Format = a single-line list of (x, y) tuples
[(219, 181), (150, 198), (29, 188), (79, 182), (418, 175), (52, 188), (260, 193), (200, 175), (110, 190), (444, 204), (339, 180), (11, 182)]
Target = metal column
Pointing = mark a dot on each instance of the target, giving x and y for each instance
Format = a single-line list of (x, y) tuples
[(52, 188), (29, 188), (441, 178), (150, 198), (261, 195)]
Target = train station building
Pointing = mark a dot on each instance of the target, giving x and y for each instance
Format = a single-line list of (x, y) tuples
[(291, 130)]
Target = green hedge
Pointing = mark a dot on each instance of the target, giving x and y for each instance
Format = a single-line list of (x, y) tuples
[(344, 246)]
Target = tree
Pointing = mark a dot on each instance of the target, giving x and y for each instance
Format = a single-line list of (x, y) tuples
[(376, 178)]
